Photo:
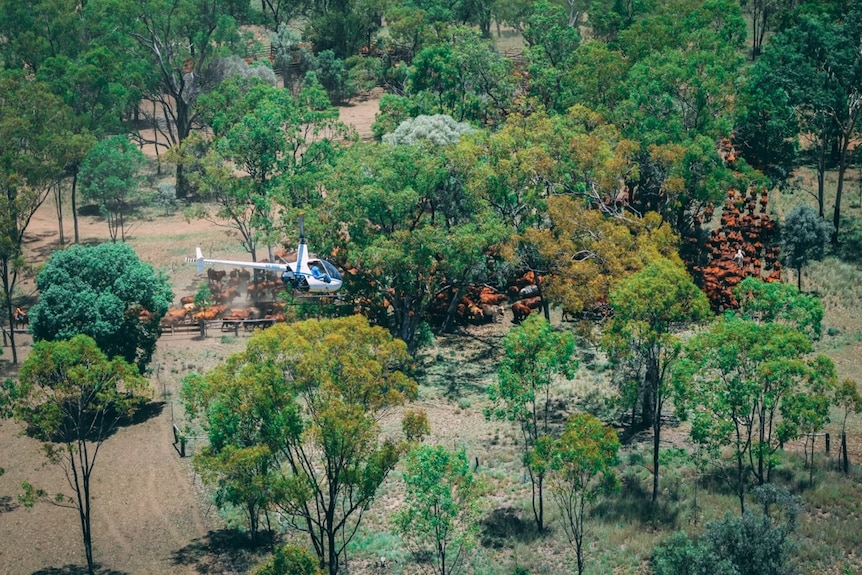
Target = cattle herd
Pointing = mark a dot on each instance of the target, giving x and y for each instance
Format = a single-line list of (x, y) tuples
[(261, 304), (223, 289)]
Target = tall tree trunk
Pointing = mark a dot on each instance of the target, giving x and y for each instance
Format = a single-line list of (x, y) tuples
[(450, 312), (10, 313), (842, 170), (538, 500), (75, 204), (845, 461), (655, 392), (58, 204), (656, 430), (821, 175), (182, 182)]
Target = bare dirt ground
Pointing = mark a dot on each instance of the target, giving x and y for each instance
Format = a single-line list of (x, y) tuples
[(150, 515)]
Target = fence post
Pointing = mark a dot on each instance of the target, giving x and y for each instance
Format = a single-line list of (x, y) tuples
[(827, 443)]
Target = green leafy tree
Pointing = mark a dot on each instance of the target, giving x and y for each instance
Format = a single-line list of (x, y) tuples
[(343, 26), (465, 78), (289, 560), (747, 545), (332, 75), (766, 125), (848, 399), (101, 291), (551, 44), (109, 177), (180, 40), (269, 149), (779, 302), (597, 73), (819, 71), (655, 27), (805, 236), (648, 307), (680, 104), (309, 397), (805, 413), (72, 398), (439, 510), (534, 354), (537, 156), (414, 230), (34, 127), (35, 31), (734, 380), (97, 82), (582, 467), (246, 409)]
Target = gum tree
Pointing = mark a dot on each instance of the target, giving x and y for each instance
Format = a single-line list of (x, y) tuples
[(805, 236), (582, 467), (72, 398), (535, 354), (109, 177), (649, 308), (302, 407), (439, 508), (743, 384)]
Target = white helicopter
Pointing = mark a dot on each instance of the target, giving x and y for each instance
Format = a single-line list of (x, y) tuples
[(313, 276)]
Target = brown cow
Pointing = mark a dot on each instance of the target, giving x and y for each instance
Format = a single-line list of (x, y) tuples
[(532, 302), (215, 276), (520, 311)]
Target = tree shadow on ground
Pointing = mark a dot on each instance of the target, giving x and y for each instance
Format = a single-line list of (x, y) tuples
[(463, 365), (503, 526), (223, 550), (634, 504), (146, 412), (849, 248), (77, 570)]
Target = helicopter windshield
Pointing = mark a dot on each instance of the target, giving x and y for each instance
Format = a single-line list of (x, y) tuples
[(323, 267), (331, 271)]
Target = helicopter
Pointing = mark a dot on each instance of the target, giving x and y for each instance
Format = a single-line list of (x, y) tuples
[(312, 276)]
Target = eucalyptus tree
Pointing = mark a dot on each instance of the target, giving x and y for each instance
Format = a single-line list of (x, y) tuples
[(179, 40), (73, 398), (746, 385), (582, 468), (649, 307), (109, 177), (551, 45), (817, 67), (268, 150), (34, 130), (535, 354), (464, 77), (440, 508), (414, 231), (294, 424)]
